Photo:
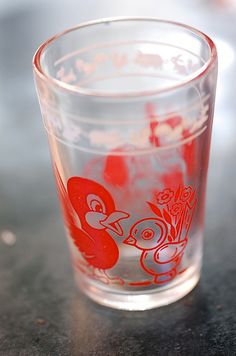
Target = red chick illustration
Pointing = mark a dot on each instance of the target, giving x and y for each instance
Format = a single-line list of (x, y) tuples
[(97, 215), (159, 257)]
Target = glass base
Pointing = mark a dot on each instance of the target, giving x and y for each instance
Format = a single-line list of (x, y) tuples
[(140, 300)]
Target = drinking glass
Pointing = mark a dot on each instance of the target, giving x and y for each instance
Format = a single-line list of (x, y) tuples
[(128, 104)]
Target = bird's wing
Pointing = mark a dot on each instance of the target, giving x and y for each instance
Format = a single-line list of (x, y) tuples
[(170, 251), (99, 252), (83, 242)]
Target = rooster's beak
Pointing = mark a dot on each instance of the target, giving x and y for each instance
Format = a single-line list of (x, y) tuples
[(112, 222)]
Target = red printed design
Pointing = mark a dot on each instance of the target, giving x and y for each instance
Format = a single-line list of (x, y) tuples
[(174, 127), (90, 215), (163, 238), (93, 221)]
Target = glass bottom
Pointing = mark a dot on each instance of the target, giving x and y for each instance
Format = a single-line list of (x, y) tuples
[(142, 300)]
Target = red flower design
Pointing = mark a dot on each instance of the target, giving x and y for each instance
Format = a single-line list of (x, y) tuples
[(186, 194), (176, 209), (165, 196)]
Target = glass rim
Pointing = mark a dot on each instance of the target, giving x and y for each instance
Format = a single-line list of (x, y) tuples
[(87, 92)]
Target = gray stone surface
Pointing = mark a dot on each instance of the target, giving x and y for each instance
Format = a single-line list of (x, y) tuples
[(41, 313)]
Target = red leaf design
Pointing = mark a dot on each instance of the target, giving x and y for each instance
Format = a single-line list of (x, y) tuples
[(167, 216), (178, 225), (169, 239), (191, 197), (187, 218), (172, 231), (177, 193), (155, 209)]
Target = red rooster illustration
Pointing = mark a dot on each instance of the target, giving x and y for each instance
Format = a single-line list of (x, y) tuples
[(95, 210)]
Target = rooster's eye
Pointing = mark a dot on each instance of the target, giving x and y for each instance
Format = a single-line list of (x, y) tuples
[(147, 234), (96, 204)]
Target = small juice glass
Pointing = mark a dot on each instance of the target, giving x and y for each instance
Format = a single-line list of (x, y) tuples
[(128, 104)]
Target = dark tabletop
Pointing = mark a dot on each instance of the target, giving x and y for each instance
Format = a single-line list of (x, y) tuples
[(41, 313)]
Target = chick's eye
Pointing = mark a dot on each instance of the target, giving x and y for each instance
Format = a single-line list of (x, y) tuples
[(147, 234), (96, 206)]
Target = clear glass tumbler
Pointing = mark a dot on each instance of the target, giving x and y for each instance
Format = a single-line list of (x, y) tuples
[(127, 104)]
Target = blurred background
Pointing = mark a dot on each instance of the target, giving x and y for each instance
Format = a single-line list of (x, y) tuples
[(34, 262), (24, 25)]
